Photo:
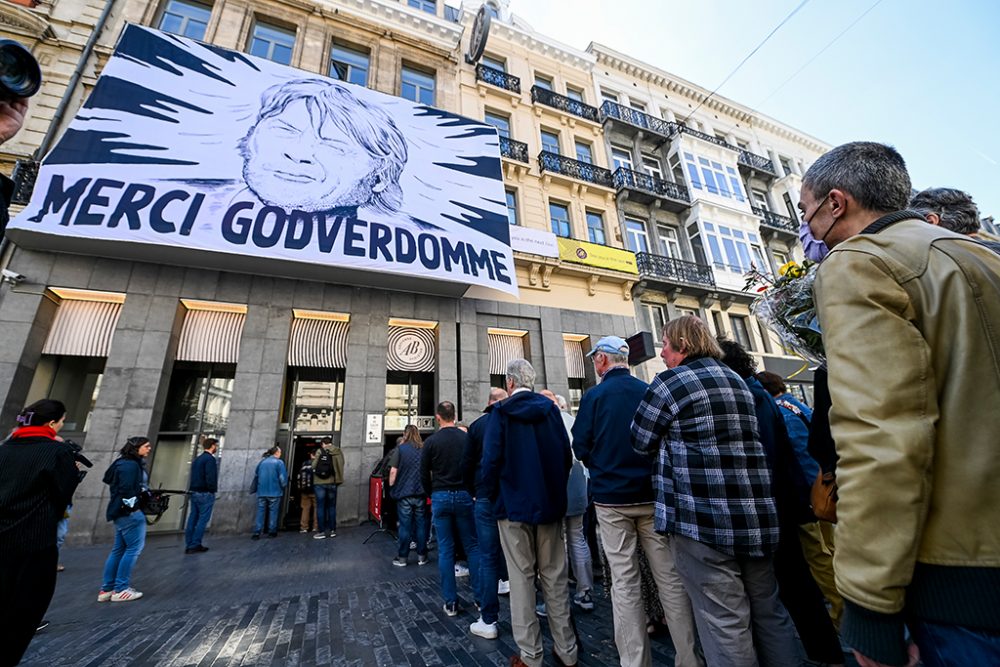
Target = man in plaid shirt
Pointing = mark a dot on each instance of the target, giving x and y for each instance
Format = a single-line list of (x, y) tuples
[(713, 494)]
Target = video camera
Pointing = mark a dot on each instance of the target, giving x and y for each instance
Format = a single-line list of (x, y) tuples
[(20, 75), (79, 457)]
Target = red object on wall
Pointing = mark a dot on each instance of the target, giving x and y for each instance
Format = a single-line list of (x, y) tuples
[(24, 3), (375, 498)]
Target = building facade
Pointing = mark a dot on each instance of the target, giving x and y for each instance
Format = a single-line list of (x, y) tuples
[(623, 211)]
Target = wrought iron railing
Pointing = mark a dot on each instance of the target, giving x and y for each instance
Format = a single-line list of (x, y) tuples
[(627, 178), (758, 162), (585, 171), (678, 270), (515, 150), (782, 222), (637, 118), (563, 103), (498, 78), (681, 127)]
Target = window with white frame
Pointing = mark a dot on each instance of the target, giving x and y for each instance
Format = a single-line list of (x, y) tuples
[(609, 96), (429, 6), (574, 93), (687, 311), (711, 176), (584, 152), (786, 164), (621, 157), (272, 42), (741, 331), (669, 245), (635, 235), (550, 142), (719, 322), (595, 228), (188, 19), (651, 165), (349, 64), (760, 199), (638, 106), (494, 63), (559, 219), (544, 82), (417, 86), (501, 123), (511, 206), (730, 248), (656, 317)]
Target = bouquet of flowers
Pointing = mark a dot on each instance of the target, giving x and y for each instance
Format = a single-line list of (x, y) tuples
[(786, 307)]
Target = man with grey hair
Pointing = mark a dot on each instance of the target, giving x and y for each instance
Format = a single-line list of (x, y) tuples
[(909, 314), (622, 486), (952, 209), (525, 467)]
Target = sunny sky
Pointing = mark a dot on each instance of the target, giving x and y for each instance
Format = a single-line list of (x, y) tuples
[(919, 74)]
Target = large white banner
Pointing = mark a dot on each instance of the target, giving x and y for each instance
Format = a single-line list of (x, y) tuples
[(193, 154)]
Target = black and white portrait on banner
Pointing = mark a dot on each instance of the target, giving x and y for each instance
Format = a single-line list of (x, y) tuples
[(210, 157)]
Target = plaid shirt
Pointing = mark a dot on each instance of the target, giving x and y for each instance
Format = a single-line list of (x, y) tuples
[(712, 479)]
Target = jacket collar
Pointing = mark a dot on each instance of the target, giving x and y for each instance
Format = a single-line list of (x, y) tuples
[(889, 220), (615, 371)]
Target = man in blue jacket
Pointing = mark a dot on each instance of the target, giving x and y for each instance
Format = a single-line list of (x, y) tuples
[(269, 484), (622, 485), (525, 468), (204, 485)]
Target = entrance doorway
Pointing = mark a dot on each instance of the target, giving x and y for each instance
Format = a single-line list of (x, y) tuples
[(409, 399)]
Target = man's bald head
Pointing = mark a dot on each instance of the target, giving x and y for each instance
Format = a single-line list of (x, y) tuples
[(496, 395), (549, 395)]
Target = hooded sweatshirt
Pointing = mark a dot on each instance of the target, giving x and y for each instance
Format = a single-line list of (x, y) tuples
[(526, 459)]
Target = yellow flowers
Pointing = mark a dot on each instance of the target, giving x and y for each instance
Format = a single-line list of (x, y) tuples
[(792, 270)]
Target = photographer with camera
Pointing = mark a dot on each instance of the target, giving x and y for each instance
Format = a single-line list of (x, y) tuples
[(20, 78), (38, 474)]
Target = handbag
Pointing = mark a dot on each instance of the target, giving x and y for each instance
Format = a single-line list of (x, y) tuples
[(153, 503), (823, 497)]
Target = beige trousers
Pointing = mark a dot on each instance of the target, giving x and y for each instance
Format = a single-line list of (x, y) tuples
[(308, 517), (526, 549), (817, 546), (622, 527)]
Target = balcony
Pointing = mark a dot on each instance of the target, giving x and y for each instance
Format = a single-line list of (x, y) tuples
[(684, 129), (645, 189), (498, 78), (774, 223), (558, 164), (514, 150), (670, 271), (756, 164), (565, 104), (631, 119)]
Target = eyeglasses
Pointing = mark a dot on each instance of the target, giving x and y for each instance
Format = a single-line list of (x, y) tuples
[(807, 220)]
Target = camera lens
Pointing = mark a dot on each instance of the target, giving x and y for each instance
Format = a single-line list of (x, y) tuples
[(20, 75)]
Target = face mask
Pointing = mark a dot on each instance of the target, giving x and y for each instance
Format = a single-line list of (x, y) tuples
[(813, 249)]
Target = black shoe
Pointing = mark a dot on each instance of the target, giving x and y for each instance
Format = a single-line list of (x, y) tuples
[(272, 534), (255, 536), (201, 549), (192, 550), (41, 626)]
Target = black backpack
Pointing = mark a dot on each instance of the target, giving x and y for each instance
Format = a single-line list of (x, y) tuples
[(324, 464)]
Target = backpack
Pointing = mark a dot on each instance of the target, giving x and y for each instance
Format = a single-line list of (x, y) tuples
[(306, 478), (324, 464)]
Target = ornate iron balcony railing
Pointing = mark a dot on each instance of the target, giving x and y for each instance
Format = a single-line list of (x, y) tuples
[(637, 118), (498, 78), (758, 162), (775, 221), (584, 171), (515, 150), (681, 127), (627, 178), (563, 103), (674, 270)]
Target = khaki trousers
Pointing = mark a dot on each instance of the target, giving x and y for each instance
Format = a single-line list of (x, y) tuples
[(308, 517), (622, 527), (527, 548), (817, 546)]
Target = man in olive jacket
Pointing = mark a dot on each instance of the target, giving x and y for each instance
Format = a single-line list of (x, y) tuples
[(911, 325)]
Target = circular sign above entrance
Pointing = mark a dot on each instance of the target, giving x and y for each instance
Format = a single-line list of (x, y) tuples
[(411, 349)]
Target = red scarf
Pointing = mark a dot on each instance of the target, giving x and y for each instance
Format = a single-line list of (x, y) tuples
[(34, 432)]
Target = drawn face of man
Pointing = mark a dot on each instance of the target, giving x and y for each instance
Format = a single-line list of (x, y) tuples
[(292, 163)]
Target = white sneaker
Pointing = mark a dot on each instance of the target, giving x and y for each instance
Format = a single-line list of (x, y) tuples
[(319, 536), (503, 587), (461, 570), (104, 596), (126, 595), (484, 630)]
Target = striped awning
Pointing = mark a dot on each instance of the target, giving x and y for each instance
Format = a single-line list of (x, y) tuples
[(318, 343), (83, 328), (575, 367), (504, 348), (412, 349), (211, 336)]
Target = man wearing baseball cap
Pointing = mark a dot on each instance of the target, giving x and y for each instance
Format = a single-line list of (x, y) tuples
[(622, 486)]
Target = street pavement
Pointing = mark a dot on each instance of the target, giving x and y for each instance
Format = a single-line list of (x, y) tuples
[(291, 600)]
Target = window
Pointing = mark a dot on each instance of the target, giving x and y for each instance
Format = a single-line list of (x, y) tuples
[(188, 19), (543, 82), (583, 152), (512, 206), (595, 228), (760, 199), (609, 96), (349, 64), (550, 142), (272, 43), (669, 244), (559, 219), (574, 93), (730, 248), (638, 106), (635, 235), (760, 260), (720, 326), (734, 183), (621, 157), (721, 137), (651, 166), (687, 311), (786, 164), (656, 317), (417, 86), (501, 123), (780, 258), (429, 6), (790, 207), (491, 9), (741, 331), (710, 175), (742, 145), (74, 380), (495, 63)]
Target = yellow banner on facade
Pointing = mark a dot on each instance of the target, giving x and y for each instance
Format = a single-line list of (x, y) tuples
[(601, 256)]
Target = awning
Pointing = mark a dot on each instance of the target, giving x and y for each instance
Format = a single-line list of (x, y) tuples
[(505, 346), (83, 328), (211, 335), (318, 340), (575, 366)]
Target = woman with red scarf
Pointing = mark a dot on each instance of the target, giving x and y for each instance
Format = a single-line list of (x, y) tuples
[(38, 475)]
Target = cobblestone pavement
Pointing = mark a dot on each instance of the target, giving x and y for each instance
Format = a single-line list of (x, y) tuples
[(285, 601)]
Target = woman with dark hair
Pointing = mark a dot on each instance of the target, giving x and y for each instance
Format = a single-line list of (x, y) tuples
[(38, 480), (127, 478)]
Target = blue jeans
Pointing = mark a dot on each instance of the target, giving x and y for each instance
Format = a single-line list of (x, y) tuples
[(62, 528), (954, 645), (199, 513), (492, 564), (454, 515), (269, 504), (130, 538), (411, 525), (326, 507)]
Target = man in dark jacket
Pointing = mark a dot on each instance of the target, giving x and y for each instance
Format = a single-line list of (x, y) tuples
[(622, 485), (204, 485), (525, 468)]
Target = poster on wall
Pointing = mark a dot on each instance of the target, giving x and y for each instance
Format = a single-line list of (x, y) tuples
[(191, 154)]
